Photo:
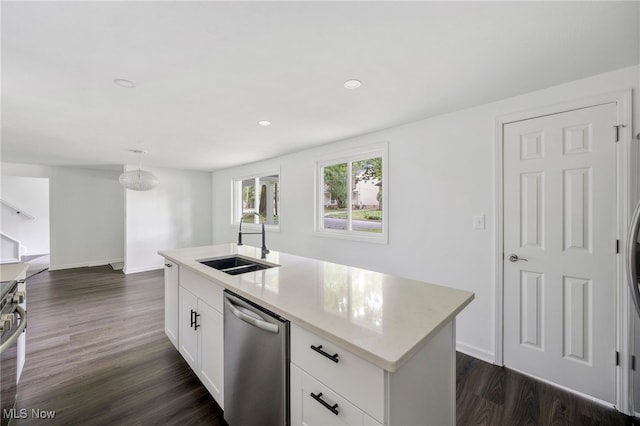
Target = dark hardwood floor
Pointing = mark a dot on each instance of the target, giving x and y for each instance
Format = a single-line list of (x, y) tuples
[(492, 395), (97, 354)]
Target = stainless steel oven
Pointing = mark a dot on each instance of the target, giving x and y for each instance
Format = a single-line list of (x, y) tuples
[(13, 320)]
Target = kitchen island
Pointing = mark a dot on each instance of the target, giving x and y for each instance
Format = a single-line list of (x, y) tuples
[(396, 336)]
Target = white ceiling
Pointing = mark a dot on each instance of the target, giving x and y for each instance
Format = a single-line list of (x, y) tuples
[(206, 72)]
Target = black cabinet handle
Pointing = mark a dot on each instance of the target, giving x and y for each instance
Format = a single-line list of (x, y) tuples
[(193, 321), (168, 265), (318, 349), (333, 408)]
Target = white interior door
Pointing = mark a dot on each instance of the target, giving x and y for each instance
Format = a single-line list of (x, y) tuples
[(560, 215)]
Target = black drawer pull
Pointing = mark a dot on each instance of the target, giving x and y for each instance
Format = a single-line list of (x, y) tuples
[(168, 265), (318, 349), (333, 408), (194, 319)]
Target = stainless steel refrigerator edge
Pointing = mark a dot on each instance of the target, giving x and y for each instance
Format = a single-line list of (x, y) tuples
[(633, 258), (256, 364), (633, 278)]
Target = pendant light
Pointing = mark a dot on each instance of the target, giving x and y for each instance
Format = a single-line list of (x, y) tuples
[(138, 180)]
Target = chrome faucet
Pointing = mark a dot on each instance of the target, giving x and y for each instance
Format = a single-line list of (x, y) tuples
[(265, 250)]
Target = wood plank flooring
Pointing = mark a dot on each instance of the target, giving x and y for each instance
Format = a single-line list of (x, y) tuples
[(97, 354), (492, 395)]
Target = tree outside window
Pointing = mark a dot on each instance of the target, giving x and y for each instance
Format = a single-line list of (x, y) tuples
[(352, 196), (259, 194)]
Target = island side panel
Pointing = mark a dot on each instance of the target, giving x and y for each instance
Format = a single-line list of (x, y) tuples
[(171, 283), (423, 391)]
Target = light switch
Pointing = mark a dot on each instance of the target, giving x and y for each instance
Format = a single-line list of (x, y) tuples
[(478, 222)]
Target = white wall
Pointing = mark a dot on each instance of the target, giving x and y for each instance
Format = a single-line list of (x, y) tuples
[(86, 213), (175, 214), (441, 173), (30, 196), (90, 214)]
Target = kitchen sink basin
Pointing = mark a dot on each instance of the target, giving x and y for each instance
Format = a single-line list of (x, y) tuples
[(235, 265)]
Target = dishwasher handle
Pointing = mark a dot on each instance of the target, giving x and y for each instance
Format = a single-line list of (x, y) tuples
[(263, 325)]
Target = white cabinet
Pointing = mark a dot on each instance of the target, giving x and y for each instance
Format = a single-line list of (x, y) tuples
[(171, 279), (352, 391), (201, 331), (323, 375), (188, 333), (210, 351), (315, 404)]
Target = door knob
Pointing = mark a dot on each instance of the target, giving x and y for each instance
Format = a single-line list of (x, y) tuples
[(514, 258)]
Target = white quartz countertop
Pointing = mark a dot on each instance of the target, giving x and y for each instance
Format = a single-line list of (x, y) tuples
[(13, 271), (381, 318)]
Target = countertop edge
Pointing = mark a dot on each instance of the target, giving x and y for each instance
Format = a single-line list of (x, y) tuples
[(13, 271), (389, 365)]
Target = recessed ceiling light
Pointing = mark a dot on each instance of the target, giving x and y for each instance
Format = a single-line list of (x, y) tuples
[(124, 83), (264, 123), (352, 84)]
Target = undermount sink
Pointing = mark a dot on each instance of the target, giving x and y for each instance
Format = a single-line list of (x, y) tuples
[(235, 265)]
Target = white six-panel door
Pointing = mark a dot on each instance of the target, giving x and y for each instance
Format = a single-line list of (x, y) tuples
[(560, 215)]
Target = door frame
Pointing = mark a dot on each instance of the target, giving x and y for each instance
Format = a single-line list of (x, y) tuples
[(625, 168)]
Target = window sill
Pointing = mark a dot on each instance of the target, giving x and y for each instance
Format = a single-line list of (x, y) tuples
[(252, 227), (363, 237)]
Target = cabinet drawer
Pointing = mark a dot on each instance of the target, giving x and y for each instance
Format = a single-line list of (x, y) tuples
[(355, 379), (370, 421), (206, 289), (333, 410)]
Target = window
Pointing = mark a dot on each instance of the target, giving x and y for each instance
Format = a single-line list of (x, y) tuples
[(256, 199), (351, 196)]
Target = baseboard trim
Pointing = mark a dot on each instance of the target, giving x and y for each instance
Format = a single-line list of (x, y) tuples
[(128, 271), (476, 352), (84, 264), (573, 391), (67, 266), (103, 263), (489, 357)]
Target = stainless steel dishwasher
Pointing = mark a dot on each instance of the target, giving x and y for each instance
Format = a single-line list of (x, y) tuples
[(256, 364)]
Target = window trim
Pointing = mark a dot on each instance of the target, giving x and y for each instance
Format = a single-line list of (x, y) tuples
[(347, 156), (237, 201)]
